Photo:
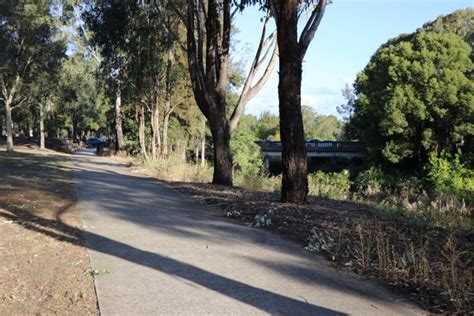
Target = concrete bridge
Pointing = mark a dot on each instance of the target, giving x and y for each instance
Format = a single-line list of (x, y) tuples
[(315, 150)]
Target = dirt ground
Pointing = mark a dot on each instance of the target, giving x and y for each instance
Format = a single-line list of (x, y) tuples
[(44, 266)]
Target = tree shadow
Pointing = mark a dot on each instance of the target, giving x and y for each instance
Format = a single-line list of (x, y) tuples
[(262, 299), (143, 201)]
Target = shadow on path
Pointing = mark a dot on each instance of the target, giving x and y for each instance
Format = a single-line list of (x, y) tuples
[(119, 196), (259, 298)]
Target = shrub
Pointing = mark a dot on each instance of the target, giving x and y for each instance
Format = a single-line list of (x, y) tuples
[(448, 176), (331, 185), (372, 179)]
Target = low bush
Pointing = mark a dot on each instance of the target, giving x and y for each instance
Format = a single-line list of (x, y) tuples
[(448, 176), (370, 181), (330, 185)]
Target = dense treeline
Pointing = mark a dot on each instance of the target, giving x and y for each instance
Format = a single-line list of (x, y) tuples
[(161, 79), (137, 71)]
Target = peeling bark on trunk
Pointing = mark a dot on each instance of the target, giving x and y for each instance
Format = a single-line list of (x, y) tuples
[(196, 152), (295, 169), (156, 146), (118, 119), (168, 109), (141, 132), (155, 126), (41, 125), (9, 121), (164, 147), (203, 151)]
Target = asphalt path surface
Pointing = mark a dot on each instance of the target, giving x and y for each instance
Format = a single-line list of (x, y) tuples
[(156, 251)]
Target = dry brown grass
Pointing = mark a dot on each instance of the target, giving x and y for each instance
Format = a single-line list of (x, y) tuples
[(44, 265)]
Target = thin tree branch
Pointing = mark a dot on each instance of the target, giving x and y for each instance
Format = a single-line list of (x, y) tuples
[(176, 10), (21, 103), (168, 27), (248, 91), (86, 37), (200, 47), (311, 26)]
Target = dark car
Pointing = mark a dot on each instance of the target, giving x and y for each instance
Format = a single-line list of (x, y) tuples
[(93, 142)]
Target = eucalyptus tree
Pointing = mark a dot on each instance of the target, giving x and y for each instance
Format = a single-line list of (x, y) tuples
[(292, 46), (28, 48), (108, 23), (208, 27), (137, 53)]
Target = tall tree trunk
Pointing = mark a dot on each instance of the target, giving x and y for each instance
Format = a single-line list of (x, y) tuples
[(141, 132), (9, 121), (118, 119), (164, 146), (168, 109), (203, 151), (222, 153), (74, 129), (196, 152), (155, 126), (41, 125), (295, 168)]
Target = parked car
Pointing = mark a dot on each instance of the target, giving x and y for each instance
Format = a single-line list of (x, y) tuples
[(94, 141)]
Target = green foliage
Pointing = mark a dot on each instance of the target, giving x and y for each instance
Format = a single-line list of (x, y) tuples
[(82, 103), (30, 53), (268, 126), (330, 185), (371, 179), (415, 97), (323, 127), (460, 22), (448, 175), (247, 155)]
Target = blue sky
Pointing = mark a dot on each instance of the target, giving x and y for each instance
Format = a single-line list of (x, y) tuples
[(349, 34)]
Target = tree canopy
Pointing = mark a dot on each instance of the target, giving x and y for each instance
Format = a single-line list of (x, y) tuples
[(415, 97)]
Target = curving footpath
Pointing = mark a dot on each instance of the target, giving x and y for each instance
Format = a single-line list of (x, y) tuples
[(155, 251)]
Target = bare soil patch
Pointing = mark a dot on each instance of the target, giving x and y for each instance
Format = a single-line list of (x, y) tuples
[(44, 266)]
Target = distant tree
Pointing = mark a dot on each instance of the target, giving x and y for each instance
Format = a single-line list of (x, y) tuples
[(268, 126), (109, 23), (415, 97), (346, 109), (324, 127), (28, 48), (82, 104)]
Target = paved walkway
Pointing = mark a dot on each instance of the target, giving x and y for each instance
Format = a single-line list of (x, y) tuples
[(158, 252)]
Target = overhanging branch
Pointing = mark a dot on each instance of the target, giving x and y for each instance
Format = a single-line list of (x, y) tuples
[(311, 26)]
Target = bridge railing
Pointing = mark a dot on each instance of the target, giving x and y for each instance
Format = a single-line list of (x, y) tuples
[(317, 146)]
